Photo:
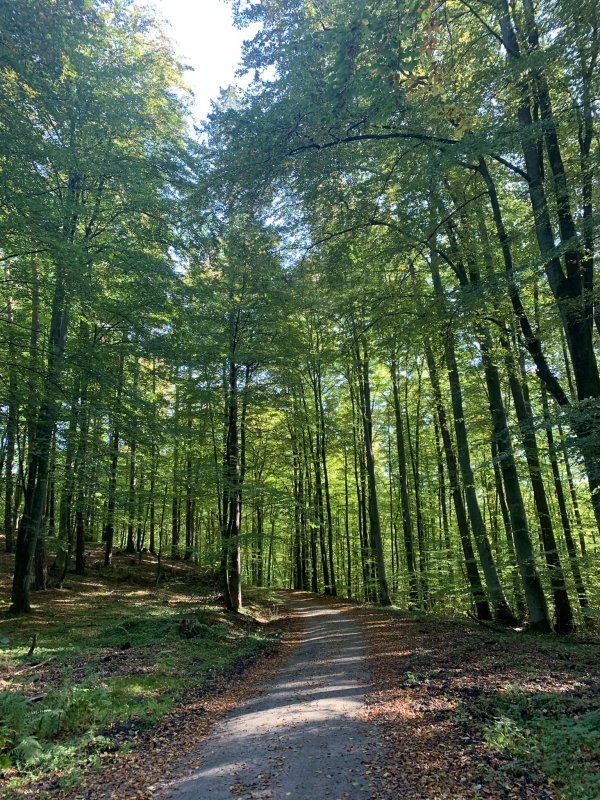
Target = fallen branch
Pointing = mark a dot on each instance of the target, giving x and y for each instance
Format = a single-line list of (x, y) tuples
[(491, 626), (32, 667)]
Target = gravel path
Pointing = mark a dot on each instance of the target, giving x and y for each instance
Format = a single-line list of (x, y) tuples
[(301, 737)]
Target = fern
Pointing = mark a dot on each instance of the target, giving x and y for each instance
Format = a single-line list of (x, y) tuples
[(28, 751), (16, 720)]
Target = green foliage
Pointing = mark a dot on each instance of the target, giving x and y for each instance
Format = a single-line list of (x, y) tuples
[(199, 324), (16, 722), (556, 734), (29, 729)]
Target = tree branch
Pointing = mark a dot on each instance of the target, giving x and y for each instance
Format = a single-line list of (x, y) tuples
[(365, 137), (20, 255)]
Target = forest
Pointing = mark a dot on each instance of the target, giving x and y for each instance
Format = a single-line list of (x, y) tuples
[(341, 337)]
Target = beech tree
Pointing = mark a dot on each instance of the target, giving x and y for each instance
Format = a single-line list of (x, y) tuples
[(91, 125)]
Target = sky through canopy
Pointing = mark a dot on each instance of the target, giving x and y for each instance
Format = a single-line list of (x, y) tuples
[(206, 40)]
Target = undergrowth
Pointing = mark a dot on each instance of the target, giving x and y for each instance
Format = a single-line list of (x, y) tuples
[(552, 732), (96, 680)]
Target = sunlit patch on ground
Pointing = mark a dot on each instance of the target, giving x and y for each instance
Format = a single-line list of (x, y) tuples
[(112, 658)]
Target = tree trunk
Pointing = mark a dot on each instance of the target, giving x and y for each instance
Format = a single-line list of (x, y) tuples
[(11, 424), (479, 599), (414, 453), (315, 452), (360, 481), (366, 413), (413, 591), (189, 515), (534, 593), (39, 454), (233, 492), (175, 518), (495, 591), (109, 527), (564, 614), (323, 441), (562, 507), (347, 530), (131, 504), (572, 288)]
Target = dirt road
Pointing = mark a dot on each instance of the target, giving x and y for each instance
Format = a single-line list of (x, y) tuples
[(301, 737)]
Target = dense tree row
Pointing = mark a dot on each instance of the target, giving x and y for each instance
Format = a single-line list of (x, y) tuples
[(345, 339)]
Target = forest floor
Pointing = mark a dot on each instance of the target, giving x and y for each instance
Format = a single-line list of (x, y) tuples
[(122, 666), (119, 695), (408, 708), (467, 712)]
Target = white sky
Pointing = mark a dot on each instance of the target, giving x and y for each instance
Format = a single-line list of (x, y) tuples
[(206, 40)]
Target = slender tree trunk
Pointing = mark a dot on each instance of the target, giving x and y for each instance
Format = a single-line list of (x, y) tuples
[(79, 470), (321, 417), (315, 452), (562, 507), (270, 555), (189, 515), (564, 614), (297, 540), (347, 530), (360, 480), (131, 505), (11, 424), (413, 592), (495, 591), (233, 505), (298, 492), (477, 592), (260, 535), (109, 527), (510, 543), (374, 520), (154, 464), (189, 511), (131, 497), (308, 512), (81, 461), (534, 594), (443, 503), (47, 528), (391, 509), (152, 510), (34, 356), (319, 504), (572, 490), (175, 507), (414, 453)]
